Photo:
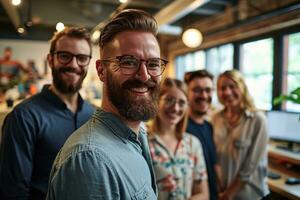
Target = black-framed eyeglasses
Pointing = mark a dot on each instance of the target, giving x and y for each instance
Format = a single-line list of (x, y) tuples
[(65, 57), (130, 64), (171, 101), (199, 90)]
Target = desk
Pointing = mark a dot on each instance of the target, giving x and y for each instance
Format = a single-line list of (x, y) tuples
[(285, 155), (278, 160), (279, 186)]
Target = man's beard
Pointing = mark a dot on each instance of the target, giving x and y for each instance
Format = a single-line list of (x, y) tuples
[(61, 85), (141, 109), (201, 113)]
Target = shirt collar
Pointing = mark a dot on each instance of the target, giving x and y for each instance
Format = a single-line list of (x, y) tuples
[(118, 127), (56, 100), (248, 113)]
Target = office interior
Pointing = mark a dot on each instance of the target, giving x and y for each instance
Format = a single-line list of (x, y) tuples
[(261, 38)]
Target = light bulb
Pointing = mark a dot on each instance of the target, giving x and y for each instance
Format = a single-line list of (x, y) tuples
[(60, 26), (95, 36), (16, 2), (192, 38)]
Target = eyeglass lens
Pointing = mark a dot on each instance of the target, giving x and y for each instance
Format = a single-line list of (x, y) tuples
[(66, 57), (170, 101), (130, 65), (200, 90)]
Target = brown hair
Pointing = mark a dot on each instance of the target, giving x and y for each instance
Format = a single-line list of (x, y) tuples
[(126, 20), (202, 73), (247, 101), (73, 32), (182, 124)]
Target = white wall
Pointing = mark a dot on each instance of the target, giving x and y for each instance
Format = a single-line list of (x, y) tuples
[(24, 50)]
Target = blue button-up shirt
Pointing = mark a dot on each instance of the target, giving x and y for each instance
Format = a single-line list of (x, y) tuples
[(104, 159), (33, 134)]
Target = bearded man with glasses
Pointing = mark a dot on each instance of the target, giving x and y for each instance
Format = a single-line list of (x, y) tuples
[(108, 157), (36, 129), (200, 91)]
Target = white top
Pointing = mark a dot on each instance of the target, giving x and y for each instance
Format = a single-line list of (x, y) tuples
[(242, 152)]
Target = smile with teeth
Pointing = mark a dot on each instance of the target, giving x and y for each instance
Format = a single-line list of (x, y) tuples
[(70, 73), (139, 90)]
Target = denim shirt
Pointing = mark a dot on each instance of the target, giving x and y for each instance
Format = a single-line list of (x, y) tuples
[(104, 159)]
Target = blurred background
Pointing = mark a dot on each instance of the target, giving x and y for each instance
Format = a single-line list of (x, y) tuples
[(259, 37)]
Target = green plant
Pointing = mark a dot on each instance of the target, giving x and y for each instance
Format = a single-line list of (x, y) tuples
[(294, 97)]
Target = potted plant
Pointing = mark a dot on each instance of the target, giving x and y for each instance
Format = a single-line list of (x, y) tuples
[(294, 97)]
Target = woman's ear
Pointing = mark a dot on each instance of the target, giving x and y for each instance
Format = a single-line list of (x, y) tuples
[(100, 70)]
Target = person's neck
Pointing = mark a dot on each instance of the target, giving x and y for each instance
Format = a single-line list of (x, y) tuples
[(167, 130), (199, 119), (71, 100), (233, 115), (168, 135), (233, 110), (7, 58), (133, 125)]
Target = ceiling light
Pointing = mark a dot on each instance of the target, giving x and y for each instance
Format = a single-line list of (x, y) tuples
[(60, 26), (16, 2), (95, 36), (21, 30), (123, 1), (29, 23), (192, 38)]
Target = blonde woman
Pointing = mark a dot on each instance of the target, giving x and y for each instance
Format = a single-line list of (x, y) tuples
[(177, 156), (241, 140)]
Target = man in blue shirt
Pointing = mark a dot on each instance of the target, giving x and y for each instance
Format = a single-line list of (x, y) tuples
[(200, 88), (37, 128), (108, 157)]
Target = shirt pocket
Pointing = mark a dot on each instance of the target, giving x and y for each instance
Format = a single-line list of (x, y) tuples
[(144, 193), (241, 144), (241, 148)]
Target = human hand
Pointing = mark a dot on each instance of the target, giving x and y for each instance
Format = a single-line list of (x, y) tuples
[(168, 183), (224, 196)]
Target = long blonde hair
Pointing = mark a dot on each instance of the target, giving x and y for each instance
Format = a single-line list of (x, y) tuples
[(168, 83), (247, 100)]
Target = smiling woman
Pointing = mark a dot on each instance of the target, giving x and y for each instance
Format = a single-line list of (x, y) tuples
[(241, 141), (177, 156)]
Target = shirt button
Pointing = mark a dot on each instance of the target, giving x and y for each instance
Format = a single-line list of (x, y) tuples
[(133, 136)]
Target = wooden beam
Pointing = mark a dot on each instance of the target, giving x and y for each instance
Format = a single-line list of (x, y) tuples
[(241, 32), (176, 10)]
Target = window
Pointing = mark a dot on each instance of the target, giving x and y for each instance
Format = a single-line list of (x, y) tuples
[(257, 68), (189, 62), (219, 59), (291, 75), (215, 60)]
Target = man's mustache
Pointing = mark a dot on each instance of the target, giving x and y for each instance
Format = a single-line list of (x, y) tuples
[(137, 83), (70, 69), (199, 100)]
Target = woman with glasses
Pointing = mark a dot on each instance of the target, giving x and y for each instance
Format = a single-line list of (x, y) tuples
[(177, 156), (241, 141)]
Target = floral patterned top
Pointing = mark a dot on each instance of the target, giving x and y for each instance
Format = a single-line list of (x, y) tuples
[(175, 173)]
